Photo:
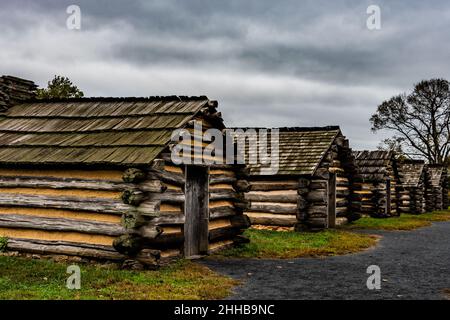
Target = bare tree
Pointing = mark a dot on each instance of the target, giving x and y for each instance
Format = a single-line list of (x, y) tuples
[(394, 144), (420, 120)]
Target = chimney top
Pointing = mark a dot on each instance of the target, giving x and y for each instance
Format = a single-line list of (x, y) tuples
[(14, 90)]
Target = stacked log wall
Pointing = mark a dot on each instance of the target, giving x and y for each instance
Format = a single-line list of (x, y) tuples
[(273, 201), (68, 212), (115, 214), (157, 220), (411, 199), (436, 189), (317, 198), (348, 203), (226, 203), (373, 193)]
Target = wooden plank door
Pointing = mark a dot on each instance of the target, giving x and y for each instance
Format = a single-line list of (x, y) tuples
[(196, 211), (332, 201)]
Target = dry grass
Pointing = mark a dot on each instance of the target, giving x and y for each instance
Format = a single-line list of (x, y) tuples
[(288, 245), (22, 278), (404, 222)]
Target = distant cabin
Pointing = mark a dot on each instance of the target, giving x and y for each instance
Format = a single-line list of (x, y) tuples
[(437, 188), (93, 177), (377, 181), (411, 189), (313, 184)]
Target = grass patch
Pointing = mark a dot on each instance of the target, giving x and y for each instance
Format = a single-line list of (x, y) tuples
[(404, 222), (3, 244), (287, 245), (22, 278)]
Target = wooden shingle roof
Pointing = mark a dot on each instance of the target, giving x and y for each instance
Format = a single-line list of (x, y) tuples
[(120, 131), (373, 165), (300, 149), (411, 172)]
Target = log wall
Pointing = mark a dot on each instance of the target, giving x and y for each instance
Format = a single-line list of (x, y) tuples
[(273, 201), (62, 211), (114, 215), (436, 188), (373, 195), (411, 190), (412, 199), (302, 201)]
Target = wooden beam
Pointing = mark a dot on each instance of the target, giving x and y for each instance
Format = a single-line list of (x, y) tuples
[(60, 224), (64, 248), (286, 196), (61, 183), (273, 185), (280, 208), (99, 205), (272, 219)]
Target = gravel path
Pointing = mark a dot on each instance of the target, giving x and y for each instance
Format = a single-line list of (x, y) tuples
[(414, 265)]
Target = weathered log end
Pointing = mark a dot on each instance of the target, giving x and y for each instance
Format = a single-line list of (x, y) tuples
[(128, 244), (134, 175), (149, 258), (133, 197), (150, 232), (242, 186), (132, 219), (241, 221)]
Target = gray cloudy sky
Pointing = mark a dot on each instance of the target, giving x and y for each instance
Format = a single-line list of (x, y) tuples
[(268, 63)]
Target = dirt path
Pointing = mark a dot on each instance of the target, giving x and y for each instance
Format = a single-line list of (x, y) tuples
[(414, 265)]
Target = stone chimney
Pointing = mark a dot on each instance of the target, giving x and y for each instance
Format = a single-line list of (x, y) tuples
[(15, 90)]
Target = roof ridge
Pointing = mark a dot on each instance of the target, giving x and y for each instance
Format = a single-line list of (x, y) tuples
[(293, 129), (411, 161), (130, 99)]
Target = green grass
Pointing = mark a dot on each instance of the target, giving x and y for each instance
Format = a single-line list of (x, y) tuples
[(3, 243), (404, 222), (22, 278), (286, 245)]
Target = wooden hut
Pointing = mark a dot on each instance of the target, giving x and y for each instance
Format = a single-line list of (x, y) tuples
[(436, 188), (411, 189), (93, 177), (377, 180), (312, 187)]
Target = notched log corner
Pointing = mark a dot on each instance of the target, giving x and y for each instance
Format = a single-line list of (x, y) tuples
[(134, 175)]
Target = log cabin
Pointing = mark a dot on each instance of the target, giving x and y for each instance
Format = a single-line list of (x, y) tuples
[(436, 194), (94, 178), (312, 188), (377, 181), (411, 189)]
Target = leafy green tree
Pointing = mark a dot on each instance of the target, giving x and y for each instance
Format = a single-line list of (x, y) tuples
[(419, 120), (60, 87)]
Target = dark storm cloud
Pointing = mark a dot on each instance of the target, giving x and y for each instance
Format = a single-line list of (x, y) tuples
[(273, 63)]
